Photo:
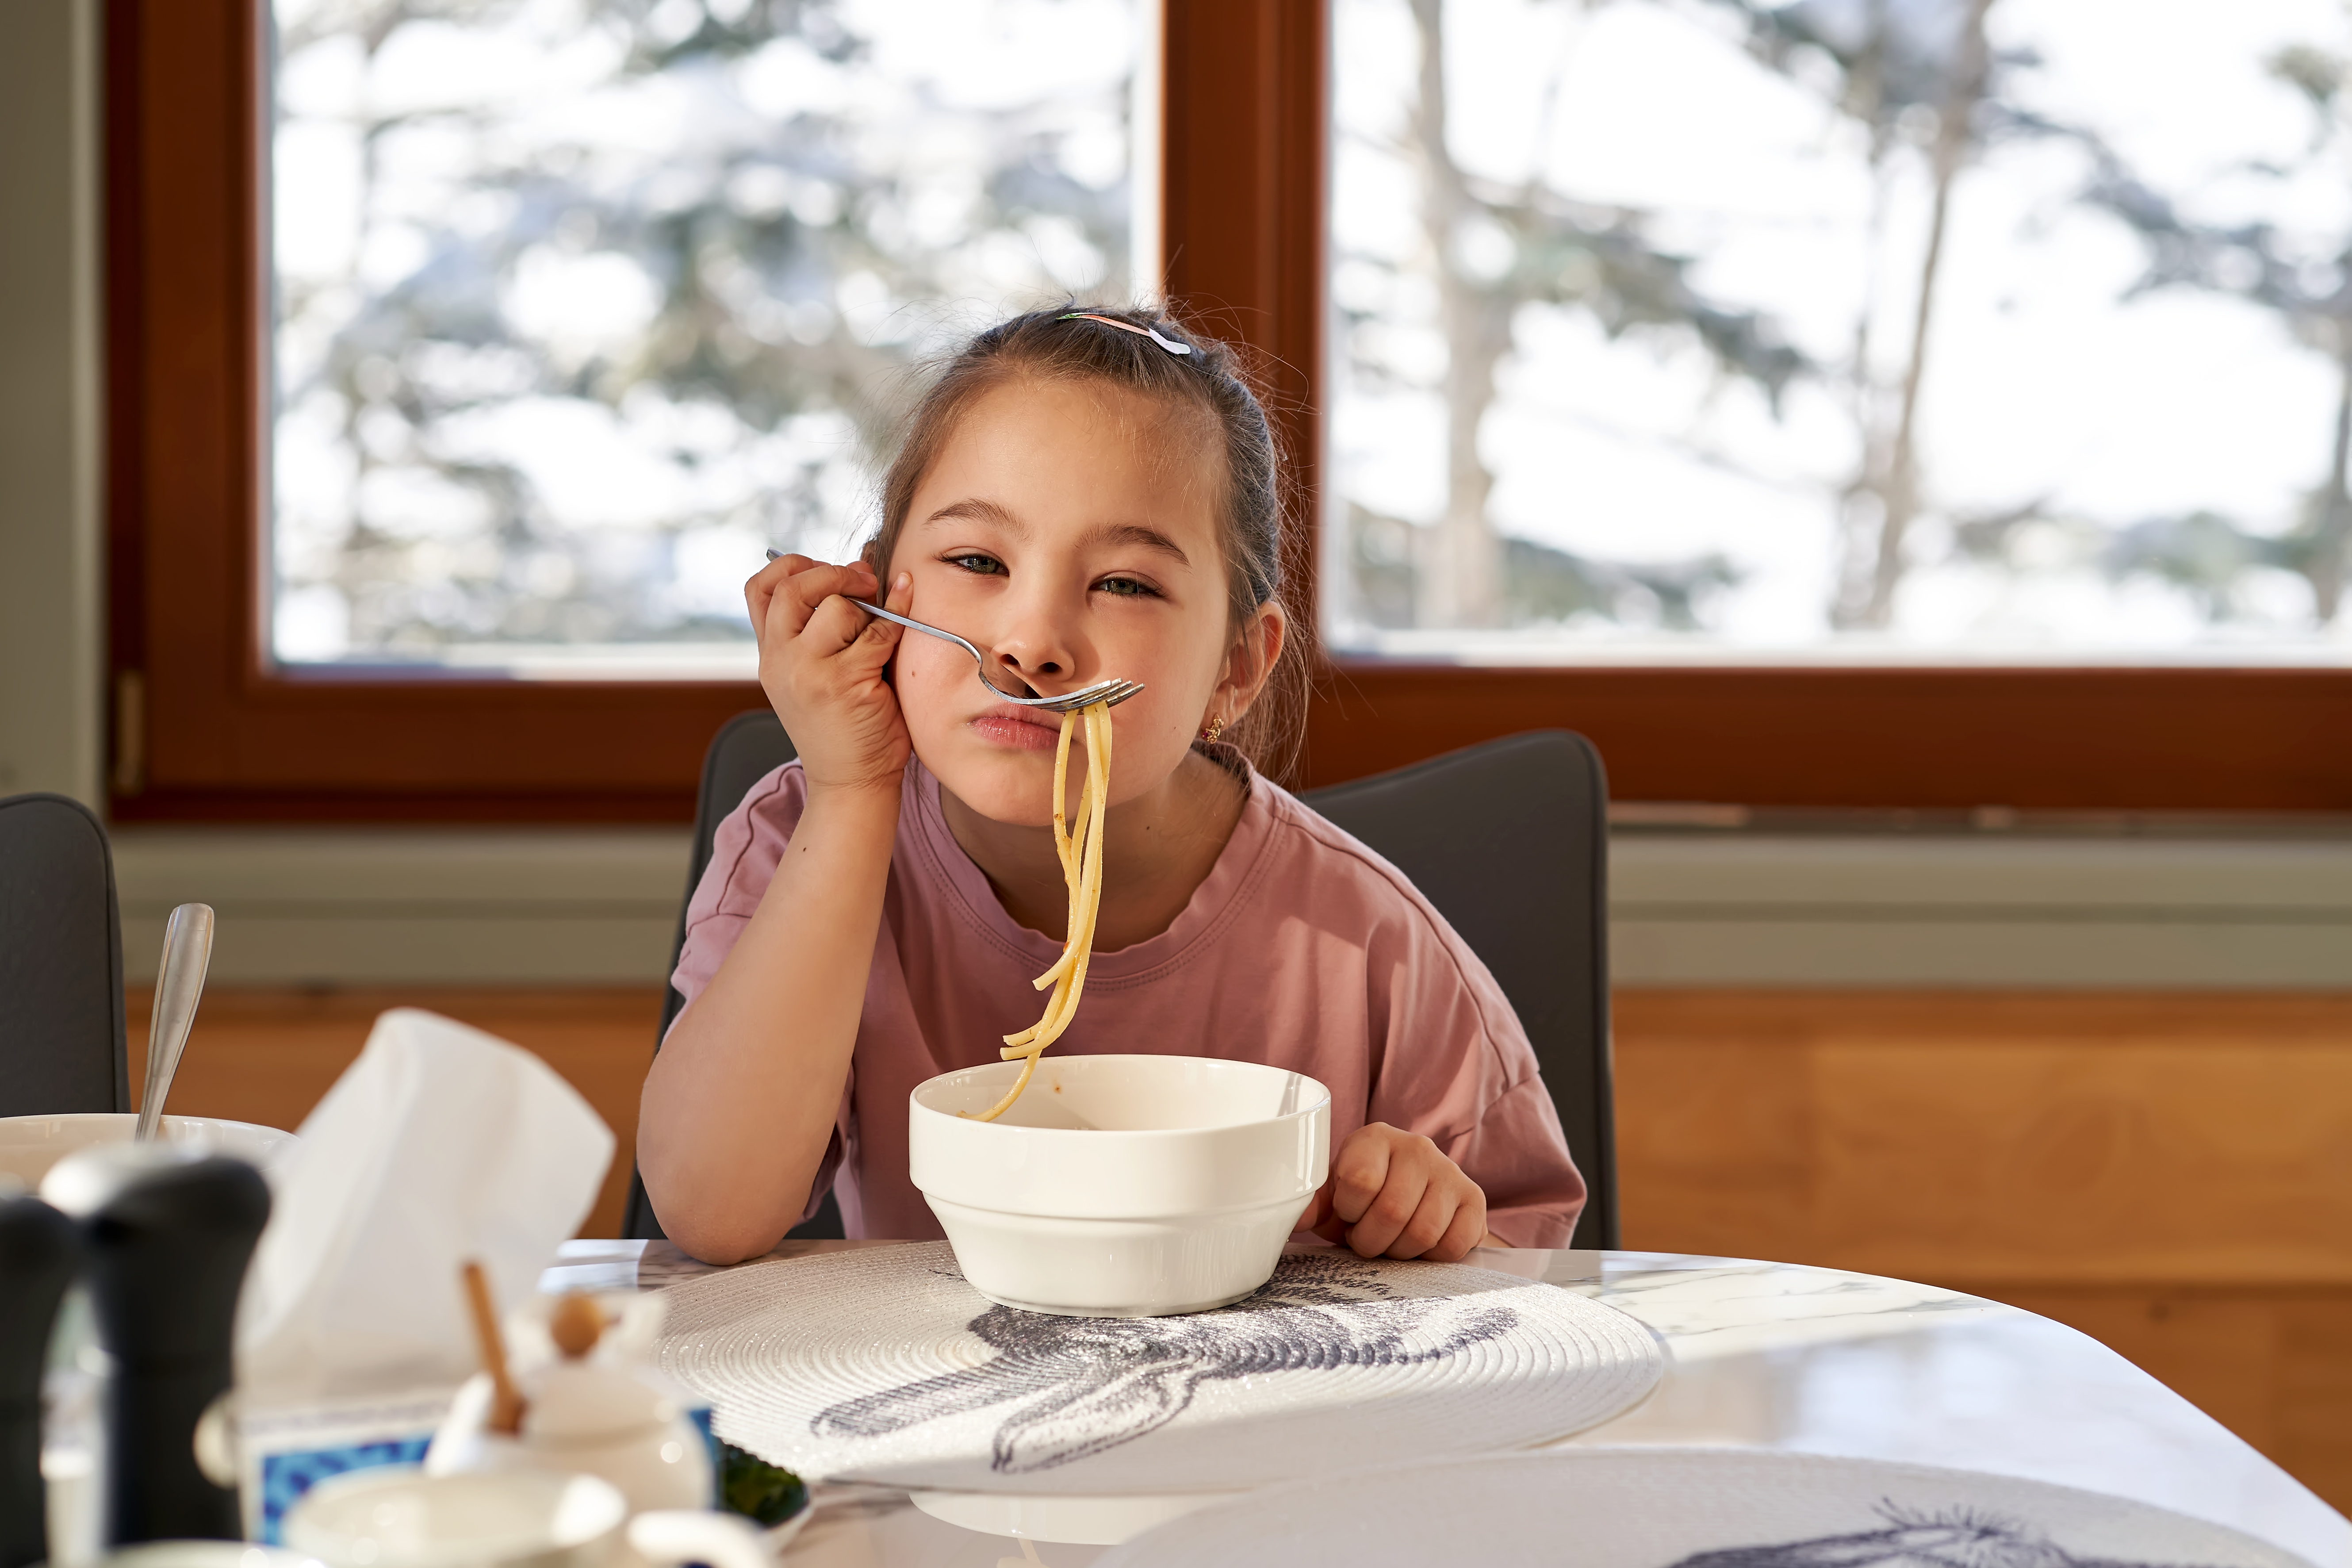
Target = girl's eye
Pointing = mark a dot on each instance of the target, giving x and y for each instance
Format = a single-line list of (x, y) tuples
[(985, 565), (1126, 587)]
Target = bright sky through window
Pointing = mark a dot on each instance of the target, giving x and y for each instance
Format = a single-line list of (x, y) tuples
[(583, 303), (1627, 359)]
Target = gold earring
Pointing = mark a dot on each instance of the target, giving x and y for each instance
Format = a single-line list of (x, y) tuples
[(1216, 727)]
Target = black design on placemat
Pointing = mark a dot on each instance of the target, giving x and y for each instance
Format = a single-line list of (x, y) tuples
[(1960, 1539), (1088, 1384)]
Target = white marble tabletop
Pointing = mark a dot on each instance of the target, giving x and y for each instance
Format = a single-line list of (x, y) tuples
[(1771, 1356)]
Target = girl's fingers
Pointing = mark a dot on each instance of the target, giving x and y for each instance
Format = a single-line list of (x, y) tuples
[(837, 625), (1398, 1200), (1432, 1220), (760, 588), (834, 626), (1468, 1230), (846, 629), (884, 635), (1321, 1220), (798, 595), (1358, 1172), (823, 580)]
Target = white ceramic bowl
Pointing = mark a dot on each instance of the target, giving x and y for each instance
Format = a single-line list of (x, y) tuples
[(29, 1145), (1121, 1186)]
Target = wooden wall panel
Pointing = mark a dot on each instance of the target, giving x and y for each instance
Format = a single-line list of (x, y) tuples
[(1961, 1137)]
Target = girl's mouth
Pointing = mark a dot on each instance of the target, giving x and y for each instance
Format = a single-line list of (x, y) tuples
[(1021, 728)]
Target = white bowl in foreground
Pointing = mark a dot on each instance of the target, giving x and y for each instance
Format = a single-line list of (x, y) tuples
[(1120, 1187), (29, 1145)]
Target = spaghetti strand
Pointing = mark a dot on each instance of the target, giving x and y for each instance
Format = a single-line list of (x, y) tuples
[(1079, 846)]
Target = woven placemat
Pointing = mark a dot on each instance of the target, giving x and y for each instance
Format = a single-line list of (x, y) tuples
[(882, 1364)]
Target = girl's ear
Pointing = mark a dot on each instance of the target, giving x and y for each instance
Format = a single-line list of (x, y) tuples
[(1250, 662)]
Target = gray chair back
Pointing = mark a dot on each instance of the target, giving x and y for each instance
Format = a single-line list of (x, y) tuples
[(1508, 840), (62, 1035)]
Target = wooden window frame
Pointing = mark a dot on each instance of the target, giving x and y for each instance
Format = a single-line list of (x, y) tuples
[(204, 729)]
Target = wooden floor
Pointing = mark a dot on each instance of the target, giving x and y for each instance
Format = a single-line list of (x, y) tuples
[(2170, 1174)]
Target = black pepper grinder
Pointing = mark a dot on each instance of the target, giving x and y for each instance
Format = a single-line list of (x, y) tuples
[(164, 1252), (38, 1247)]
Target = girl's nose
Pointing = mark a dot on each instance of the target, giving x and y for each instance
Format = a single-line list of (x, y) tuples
[(1036, 644), (1029, 664)]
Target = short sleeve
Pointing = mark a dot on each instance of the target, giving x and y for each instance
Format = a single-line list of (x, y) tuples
[(744, 853), (1518, 1155)]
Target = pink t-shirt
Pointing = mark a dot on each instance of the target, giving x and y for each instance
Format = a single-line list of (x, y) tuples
[(1303, 949)]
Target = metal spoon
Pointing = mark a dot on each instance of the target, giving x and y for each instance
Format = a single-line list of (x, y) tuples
[(187, 953), (1109, 693)]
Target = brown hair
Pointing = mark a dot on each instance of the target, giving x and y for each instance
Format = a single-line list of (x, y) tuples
[(1059, 344)]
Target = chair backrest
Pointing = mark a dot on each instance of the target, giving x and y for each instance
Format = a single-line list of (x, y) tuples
[(62, 1035), (1510, 841), (747, 748)]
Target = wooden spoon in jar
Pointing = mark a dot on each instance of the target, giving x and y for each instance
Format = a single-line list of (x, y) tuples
[(506, 1402)]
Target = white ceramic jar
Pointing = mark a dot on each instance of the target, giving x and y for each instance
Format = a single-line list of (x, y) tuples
[(600, 1421), (1121, 1186)]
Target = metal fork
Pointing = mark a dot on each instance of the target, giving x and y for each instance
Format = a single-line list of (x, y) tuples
[(1110, 692)]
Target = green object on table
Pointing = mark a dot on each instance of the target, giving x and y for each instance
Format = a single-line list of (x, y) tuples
[(750, 1485)]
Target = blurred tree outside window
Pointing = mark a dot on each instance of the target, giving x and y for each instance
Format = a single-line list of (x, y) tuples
[(582, 303), (1881, 330)]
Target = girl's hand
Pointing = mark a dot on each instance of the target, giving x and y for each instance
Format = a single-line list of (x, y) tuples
[(1395, 1193), (821, 664)]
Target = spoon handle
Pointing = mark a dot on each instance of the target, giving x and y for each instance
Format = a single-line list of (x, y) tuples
[(187, 953)]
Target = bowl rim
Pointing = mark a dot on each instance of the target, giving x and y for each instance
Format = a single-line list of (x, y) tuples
[(93, 1118), (1306, 1108)]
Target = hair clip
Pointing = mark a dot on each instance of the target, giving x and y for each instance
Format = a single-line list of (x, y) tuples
[(1171, 344)]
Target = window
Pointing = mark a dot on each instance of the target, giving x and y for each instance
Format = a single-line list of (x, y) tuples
[(1944, 330), (582, 303), (372, 711)]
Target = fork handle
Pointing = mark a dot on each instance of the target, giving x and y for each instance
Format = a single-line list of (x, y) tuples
[(915, 625), (774, 555)]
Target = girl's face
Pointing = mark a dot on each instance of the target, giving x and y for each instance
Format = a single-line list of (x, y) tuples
[(1069, 531)]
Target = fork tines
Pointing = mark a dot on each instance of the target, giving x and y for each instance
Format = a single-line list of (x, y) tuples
[(1111, 692)]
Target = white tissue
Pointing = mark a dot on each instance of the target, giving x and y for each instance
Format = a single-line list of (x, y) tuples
[(440, 1143)]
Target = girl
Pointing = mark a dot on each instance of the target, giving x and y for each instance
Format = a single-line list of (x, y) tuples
[(1080, 499)]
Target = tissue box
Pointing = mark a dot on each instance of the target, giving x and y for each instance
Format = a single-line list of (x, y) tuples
[(283, 1453), (441, 1145)]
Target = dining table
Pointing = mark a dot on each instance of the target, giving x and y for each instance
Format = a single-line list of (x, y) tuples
[(1766, 1357)]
